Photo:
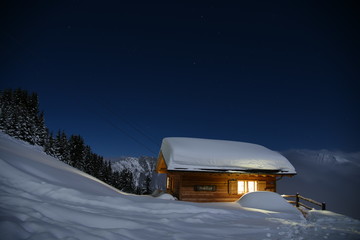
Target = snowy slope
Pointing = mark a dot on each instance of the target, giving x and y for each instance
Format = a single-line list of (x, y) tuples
[(326, 176), (42, 198)]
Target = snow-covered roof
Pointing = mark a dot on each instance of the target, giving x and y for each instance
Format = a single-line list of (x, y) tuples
[(195, 154)]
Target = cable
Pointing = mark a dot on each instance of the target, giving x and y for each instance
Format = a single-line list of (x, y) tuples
[(128, 135), (152, 140)]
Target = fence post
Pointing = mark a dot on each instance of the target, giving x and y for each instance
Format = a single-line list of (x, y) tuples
[(323, 206), (297, 200)]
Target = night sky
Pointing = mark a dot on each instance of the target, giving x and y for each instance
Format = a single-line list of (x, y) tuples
[(284, 75)]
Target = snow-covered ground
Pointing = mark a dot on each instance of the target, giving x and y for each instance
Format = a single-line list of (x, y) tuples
[(43, 198)]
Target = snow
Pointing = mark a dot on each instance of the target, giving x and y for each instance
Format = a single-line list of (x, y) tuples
[(140, 168), (43, 198), (166, 196), (269, 201), (195, 154)]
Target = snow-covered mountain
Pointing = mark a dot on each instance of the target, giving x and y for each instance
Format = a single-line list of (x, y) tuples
[(43, 198), (321, 157), (141, 168), (326, 176)]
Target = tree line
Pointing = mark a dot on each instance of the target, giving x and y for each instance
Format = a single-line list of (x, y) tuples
[(20, 117)]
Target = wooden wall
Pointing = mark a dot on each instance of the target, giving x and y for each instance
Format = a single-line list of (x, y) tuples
[(182, 185)]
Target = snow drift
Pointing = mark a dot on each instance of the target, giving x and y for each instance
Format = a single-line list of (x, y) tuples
[(43, 198), (269, 201)]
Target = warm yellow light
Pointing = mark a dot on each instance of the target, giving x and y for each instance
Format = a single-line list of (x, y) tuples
[(247, 186), (241, 187), (167, 182), (252, 186)]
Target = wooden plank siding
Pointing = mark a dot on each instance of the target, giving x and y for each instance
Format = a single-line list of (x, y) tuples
[(161, 164), (182, 185)]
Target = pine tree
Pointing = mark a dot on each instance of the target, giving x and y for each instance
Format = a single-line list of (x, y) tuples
[(30, 114), (106, 172), (115, 180), (5, 109), (89, 161), (76, 152), (49, 145), (41, 131), (61, 146), (97, 165), (126, 181), (147, 185), (20, 116)]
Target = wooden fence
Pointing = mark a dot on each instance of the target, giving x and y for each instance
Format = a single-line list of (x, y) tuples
[(297, 202)]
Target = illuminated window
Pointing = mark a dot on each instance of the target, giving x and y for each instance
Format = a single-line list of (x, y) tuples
[(168, 183), (241, 187), (247, 186), (252, 186)]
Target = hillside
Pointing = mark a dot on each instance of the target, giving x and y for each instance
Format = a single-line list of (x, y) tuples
[(43, 198)]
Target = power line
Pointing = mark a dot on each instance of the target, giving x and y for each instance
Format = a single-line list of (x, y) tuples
[(137, 129), (127, 134), (107, 120)]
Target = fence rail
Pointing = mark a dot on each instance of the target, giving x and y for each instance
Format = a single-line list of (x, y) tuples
[(297, 202)]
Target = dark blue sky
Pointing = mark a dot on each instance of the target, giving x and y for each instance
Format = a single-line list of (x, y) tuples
[(124, 76)]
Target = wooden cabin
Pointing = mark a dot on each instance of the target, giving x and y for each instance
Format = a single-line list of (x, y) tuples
[(204, 170)]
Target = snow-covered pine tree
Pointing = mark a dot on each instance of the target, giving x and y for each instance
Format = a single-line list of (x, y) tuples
[(147, 185), (5, 109), (116, 180), (126, 181), (76, 151), (20, 116), (88, 160), (106, 172), (24, 122), (49, 145), (62, 150), (96, 163), (41, 131)]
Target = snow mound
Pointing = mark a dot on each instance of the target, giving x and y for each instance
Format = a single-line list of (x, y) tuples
[(166, 196), (158, 193), (195, 154), (269, 201)]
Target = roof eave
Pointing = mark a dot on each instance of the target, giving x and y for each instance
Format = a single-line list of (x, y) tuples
[(255, 171)]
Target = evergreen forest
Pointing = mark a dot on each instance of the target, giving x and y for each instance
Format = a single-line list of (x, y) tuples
[(20, 117)]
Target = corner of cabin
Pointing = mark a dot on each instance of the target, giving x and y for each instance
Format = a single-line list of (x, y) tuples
[(161, 166)]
